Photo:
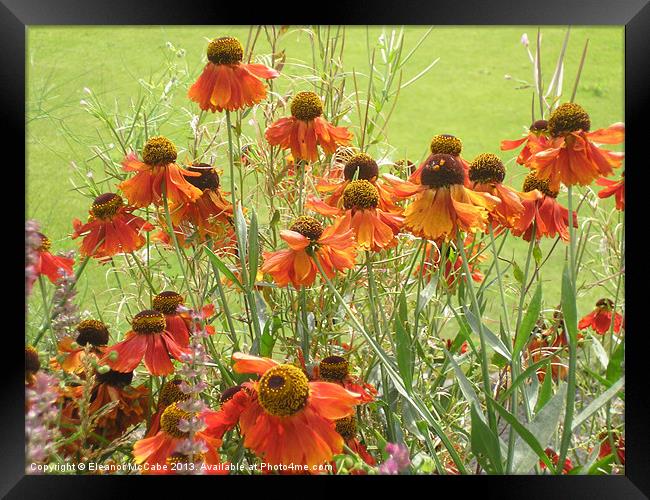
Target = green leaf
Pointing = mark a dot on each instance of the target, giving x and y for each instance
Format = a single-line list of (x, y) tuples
[(269, 337), (615, 365), (542, 427), (426, 294), (253, 249), (525, 435), (464, 384), (490, 338), (216, 261), (242, 233), (485, 442), (569, 307), (597, 403), (546, 391), (518, 273), (537, 254), (405, 359), (529, 320)]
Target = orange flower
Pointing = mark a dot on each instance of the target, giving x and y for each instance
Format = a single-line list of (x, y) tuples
[(549, 216), (442, 205), (306, 128), (547, 344), (148, 339), (600, 319), (169, 393), (155, 173), (486, 173), (111, 228), (374, 228), (287, 419), (89, 331), (535, 140), (572, 156), (159, 452), (111, 387), (227, 83), (615, 188), (358, 167), (168, 303), (211, 214), (335, 369), (52, 266), (448, 145), (332, 246)]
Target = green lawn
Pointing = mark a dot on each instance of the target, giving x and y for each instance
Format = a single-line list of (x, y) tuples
[(465, 94)]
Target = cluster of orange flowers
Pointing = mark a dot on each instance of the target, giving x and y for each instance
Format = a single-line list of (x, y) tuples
[(287, 414)]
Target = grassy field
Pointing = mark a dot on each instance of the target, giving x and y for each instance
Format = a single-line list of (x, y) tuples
[(466, 94)]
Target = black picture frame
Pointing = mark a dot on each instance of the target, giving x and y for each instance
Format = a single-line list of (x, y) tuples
[(17, 15)]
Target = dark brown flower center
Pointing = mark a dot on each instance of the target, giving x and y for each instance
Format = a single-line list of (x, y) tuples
[(229, 393), (159, 151), (361, 166), (116, 379), (568, 117), (170, 393), (167, 302), (91, 331), (209, 178), (32, 363), (148, 321), (347, 427), (442, 170), (333, 368), (225, 50), (538, 126), (308, 227), (487, 168), (106, 206), (605, 304), (446, 144), (306, 106), (360, 195), (531, 182)]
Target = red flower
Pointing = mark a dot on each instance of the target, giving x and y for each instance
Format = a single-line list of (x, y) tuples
[(161, 450), (111, 228), (555, 459), (157, 173), (227, 83), (572, 156), (606, 445), (535, 140), (615, 188), (52, 266), (168, 303), (148, 339), (600, 319), (169, 393), (374, 228), (333, 247), (336, 370), (551, 219), (306, 128), (286, 419)]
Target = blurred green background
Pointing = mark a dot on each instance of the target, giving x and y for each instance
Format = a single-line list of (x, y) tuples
[(471, 92)]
